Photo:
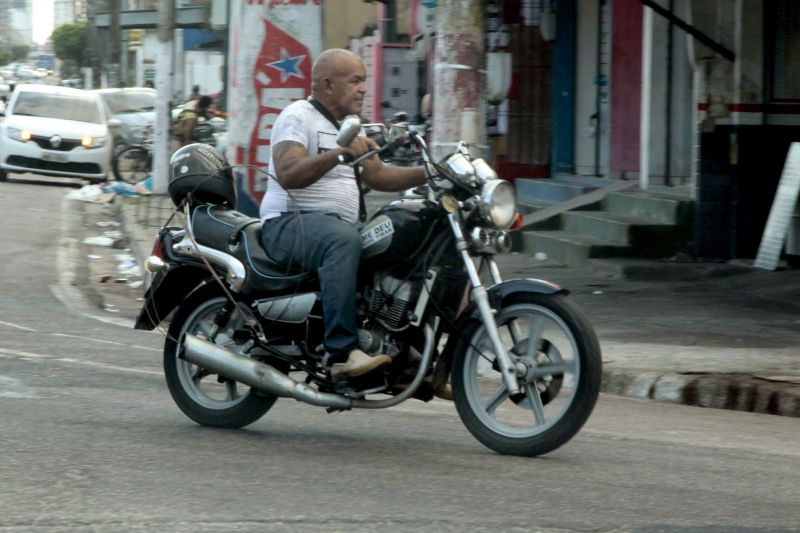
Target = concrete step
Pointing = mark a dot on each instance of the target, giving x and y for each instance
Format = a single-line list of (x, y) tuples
[(613, 227), (566, 247), (657, 207), (549, 190)]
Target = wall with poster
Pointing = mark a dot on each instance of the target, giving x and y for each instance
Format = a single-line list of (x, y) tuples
[(273, 44)]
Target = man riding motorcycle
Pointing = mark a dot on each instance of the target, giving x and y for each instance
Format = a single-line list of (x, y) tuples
[(312, 204)]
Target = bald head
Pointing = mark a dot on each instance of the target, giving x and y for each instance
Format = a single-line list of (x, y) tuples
[(338, 81), (331, 63)]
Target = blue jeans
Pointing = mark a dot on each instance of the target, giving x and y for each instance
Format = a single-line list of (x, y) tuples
[(331, 247)]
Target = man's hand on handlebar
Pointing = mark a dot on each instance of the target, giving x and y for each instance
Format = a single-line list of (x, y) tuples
[(359, 147)]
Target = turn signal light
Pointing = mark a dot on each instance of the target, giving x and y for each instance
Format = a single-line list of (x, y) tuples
[(87, 141), (519, 220), (25, 135)]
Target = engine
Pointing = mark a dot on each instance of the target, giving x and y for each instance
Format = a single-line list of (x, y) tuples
[(391, 301)]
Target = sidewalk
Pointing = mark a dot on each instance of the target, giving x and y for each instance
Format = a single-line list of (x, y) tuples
[(721, 335)]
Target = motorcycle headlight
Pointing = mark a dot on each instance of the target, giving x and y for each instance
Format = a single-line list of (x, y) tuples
[(498, 205)]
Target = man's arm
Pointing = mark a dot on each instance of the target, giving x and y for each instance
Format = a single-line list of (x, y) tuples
[(387, 178), (296, 169)]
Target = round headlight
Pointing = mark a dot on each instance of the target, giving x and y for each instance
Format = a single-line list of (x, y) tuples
[(498, 203)]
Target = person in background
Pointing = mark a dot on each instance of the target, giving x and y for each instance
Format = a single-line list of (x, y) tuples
[(187, 120)]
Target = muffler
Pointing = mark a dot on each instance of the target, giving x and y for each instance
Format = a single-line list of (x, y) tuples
[(260, 376)]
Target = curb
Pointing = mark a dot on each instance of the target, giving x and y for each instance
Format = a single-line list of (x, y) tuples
[(127, 227), (737, 392)]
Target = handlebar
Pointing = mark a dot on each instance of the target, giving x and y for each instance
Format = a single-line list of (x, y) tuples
[(347, 159)]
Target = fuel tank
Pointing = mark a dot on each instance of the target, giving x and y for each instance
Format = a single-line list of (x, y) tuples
[(395, 236)]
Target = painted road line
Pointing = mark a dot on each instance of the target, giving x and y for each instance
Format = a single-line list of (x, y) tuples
[(17, 326)]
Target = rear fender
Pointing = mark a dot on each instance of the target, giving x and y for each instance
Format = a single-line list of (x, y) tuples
[(168, 289)]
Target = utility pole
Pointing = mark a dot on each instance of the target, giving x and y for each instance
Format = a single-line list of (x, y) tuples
[(90, 57), (164, 74), (116, 44), (459, 78)]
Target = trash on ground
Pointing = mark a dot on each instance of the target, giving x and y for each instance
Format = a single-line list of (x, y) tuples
[(135, 284), (93, 257), (145, 186), (540, 256), (597, 292), (108, 224), (123, 189), (92, 193), (98, 240), (104, 278)]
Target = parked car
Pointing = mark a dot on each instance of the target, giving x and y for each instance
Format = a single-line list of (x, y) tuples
[(57, 131), (135, 108)]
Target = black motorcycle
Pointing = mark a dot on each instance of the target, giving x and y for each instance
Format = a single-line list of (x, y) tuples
[(521, 361)]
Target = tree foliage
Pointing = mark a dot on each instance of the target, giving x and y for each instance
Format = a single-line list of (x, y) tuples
[(19, 51), (69, 41)]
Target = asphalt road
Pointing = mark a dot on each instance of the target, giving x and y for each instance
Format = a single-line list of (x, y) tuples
[(92, 441)]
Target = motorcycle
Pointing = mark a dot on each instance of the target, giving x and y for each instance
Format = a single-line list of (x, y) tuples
[(521, 360)]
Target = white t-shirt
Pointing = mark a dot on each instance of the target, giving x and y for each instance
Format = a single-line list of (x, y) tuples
[(335, 192)]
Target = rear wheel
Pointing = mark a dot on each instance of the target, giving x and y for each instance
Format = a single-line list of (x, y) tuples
[(557, 357), (203, 396), (3, 175), (132, 165)]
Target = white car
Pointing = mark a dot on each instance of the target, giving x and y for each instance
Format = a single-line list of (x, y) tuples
[(58, 131)]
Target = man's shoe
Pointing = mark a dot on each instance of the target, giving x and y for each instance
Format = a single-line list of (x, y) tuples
[(445, 392), (358, 363)]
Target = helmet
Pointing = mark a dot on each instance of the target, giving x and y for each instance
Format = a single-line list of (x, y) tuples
[(202, 171)]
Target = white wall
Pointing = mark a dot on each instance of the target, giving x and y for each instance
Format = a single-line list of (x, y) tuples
[(203, 69), (586, 128), (680, 113)]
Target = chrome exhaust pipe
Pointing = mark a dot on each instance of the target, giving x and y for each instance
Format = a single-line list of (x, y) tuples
[(260, 376)]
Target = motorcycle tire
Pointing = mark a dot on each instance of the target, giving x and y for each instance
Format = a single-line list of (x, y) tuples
[(199, 401), (132, 165), (560, 385)]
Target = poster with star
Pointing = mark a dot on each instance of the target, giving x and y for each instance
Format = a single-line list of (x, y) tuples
[(272, 51)]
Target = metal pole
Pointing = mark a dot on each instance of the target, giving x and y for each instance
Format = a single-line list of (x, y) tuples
[(164, 75), (647, 85), (668, 110)]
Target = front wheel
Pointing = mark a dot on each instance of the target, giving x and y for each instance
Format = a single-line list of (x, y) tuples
[(558, 359), (132, 165), (203, 396)]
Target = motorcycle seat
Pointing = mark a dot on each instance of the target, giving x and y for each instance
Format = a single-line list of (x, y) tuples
[(234, 233)]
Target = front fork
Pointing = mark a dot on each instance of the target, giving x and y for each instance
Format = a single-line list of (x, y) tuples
[(481, 298)]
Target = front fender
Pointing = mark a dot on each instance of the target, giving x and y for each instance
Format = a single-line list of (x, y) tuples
[(498, 293), (168, 289), (497, 296)]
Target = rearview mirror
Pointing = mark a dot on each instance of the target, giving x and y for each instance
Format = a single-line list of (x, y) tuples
[(114, 123), (348, 131)]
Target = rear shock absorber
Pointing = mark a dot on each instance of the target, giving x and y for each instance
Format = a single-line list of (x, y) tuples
[(222, 318)]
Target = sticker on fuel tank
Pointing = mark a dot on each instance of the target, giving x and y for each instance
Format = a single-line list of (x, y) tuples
[(377, 233)]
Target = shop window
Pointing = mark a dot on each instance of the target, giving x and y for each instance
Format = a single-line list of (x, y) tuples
[(784, 27)]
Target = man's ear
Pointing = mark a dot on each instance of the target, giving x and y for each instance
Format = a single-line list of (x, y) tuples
[(327, 85)]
